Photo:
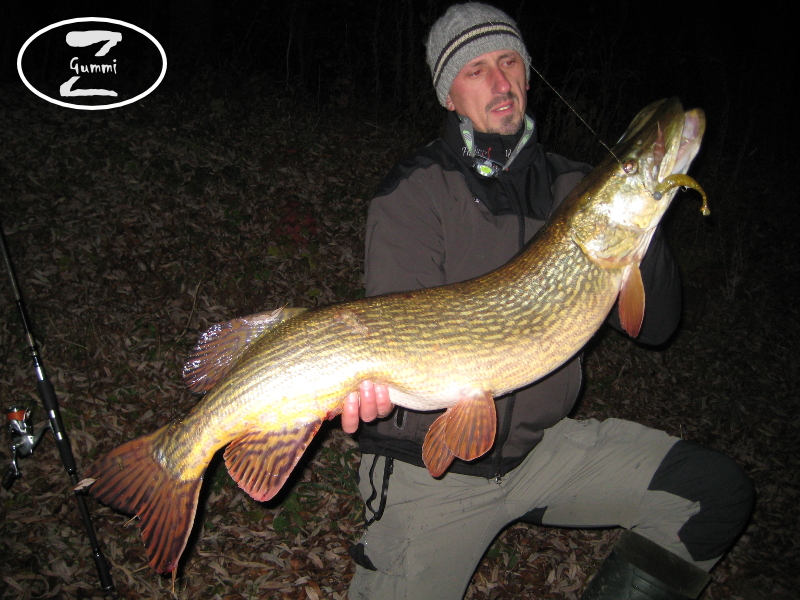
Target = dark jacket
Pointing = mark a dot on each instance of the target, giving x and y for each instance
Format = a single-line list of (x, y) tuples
[(435, 221)]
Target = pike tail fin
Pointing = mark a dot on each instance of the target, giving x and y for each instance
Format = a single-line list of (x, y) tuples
[(129, 479)]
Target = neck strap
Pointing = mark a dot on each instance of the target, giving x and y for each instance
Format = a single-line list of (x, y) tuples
[(486, 166)]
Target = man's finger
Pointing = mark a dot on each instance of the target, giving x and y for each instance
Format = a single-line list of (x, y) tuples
[(382, 400), (350, 413), (369, 407)]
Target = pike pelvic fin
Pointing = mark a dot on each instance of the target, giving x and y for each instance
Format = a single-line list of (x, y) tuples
[(631, 300), (435, 453), (221, 345), (129, 479), (466, 431), (261, 461)]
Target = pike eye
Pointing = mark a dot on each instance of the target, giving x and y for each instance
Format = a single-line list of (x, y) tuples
[(630, 167)]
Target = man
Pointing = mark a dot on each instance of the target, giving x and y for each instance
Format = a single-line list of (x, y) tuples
[(456, 209)]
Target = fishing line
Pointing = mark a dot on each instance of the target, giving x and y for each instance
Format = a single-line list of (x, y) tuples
[(576, 113), (658, 193)]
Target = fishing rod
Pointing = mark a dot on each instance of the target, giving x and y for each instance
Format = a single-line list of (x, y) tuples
[(23, 439)]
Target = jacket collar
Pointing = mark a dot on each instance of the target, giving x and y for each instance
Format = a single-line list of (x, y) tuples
[(489, 145), (524, 189)]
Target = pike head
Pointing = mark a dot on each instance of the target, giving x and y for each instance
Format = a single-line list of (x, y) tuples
[(616, 208), (620, 202)]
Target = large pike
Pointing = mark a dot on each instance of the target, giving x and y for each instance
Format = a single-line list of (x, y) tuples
[(275, 377)]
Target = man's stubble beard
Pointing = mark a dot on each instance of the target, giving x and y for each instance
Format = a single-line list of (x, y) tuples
[(510, 124)]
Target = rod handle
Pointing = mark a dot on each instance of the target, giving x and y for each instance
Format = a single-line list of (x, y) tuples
[(48, 396)]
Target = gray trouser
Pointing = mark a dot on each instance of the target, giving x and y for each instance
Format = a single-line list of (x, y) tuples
[(585, 473)]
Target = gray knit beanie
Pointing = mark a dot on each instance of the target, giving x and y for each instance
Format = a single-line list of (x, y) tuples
[(465, 32)]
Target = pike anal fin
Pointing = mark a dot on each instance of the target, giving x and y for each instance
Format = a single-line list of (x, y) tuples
[(130, 480), (631, 301), (260, 462), (466, 431)]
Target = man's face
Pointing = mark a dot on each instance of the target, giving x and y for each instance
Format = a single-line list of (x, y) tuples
[(492, 91)]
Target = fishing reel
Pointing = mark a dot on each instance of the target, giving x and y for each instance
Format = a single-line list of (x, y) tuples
[(23, 440)]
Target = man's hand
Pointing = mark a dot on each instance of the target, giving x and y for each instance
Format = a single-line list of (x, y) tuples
[(368, 403)]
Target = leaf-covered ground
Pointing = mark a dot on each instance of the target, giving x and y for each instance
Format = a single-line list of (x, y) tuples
[(133, 230)]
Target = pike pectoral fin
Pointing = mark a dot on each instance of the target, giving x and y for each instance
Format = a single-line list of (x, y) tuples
[(471, 426), (260, 461), (631, 300), (465, 431), (219, 347), (129, 479)]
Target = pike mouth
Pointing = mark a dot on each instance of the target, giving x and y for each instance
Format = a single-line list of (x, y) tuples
[(682, 151), (692, 134), (687, 146)]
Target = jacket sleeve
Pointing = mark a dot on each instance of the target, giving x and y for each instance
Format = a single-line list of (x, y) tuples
[(404, 238)]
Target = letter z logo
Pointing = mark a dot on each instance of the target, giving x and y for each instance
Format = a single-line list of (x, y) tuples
[(81, 39)]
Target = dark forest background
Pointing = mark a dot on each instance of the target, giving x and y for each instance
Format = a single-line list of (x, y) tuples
[(607, 58)]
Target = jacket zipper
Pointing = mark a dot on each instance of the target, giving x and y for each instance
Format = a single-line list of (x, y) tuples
[(497, 466)]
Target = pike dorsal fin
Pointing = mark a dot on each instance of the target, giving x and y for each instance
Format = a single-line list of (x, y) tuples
[(631, 301), (260, 461), (465, 431), (219, 347)]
